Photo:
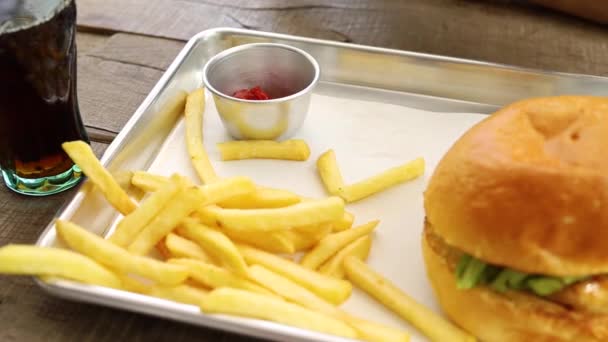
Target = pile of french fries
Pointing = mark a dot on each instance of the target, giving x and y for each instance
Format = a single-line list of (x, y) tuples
[(228, 246)]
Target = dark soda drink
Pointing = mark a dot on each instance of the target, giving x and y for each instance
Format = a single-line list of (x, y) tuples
[(38, 104)]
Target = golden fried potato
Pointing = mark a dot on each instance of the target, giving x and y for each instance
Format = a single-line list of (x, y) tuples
[(214, 277), (332, 243), (330, 172), (264, 149), (57, 262), (117, 258), (382, 181), (183, 204), (214, 242), (359, 248), (195, 107), (83, 156), (333, 290), (260, 220), (132, 224), (247, 304), (383, 290)]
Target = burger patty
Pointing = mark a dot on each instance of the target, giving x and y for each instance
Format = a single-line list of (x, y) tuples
[(589, 295)]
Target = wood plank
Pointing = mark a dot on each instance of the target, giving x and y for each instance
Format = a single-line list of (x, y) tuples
[(145, 51), (590, 9), (339, 4), (29, 314), (113, 83), (109, 92), (87, 42), (169, 19), (303, 4), (499, 31)]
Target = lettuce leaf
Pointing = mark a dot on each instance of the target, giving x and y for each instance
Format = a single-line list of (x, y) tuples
[(471, 272)]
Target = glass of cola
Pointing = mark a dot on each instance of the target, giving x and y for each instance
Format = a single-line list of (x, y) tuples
[(38, 104)]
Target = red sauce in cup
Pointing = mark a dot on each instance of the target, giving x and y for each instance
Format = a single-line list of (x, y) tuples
[(255, 93)]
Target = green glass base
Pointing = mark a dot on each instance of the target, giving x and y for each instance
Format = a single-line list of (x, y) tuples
[(43, 186)]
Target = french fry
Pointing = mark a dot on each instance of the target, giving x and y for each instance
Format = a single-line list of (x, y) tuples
[(117, 258), (278, 241), (123, 178), (383, 290), (304, 240), (195, 107), (301, 214), (314, 229), (294, 149), (301, 241), (179, 247), (186, 294), (359, 248), (48, 261), (132, 224), (213, 276), (262, 198), (182, 205), (335, 291), (82, 155), (382, 181), (344, 223), (147, 181), (221, 189), (289, 290), (227, 188), (162, 249), (134, 285), (295, 293), (247, 304), (330, 172), (332, 243), (215, 243), (207, 215)]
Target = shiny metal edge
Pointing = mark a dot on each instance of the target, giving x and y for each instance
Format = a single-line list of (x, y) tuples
[(388, 51), (166, 309), (427, 74)]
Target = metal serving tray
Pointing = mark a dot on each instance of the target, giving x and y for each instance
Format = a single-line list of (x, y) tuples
[(393, 79)]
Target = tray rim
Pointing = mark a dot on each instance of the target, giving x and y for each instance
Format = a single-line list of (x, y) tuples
[(79, 292), (391, 51)]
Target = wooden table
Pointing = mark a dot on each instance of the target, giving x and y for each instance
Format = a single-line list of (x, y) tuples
[(125, 46)]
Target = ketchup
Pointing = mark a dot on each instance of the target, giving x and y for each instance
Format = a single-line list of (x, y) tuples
[(255, 93)]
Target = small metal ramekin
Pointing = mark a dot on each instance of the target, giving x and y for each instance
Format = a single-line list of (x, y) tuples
[(287, 74)]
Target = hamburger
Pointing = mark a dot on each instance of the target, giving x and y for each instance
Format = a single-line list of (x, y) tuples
[(516, 230)]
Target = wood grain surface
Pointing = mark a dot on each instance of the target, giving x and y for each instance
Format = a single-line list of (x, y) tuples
[(150, 52), (113, 91), (119, 72), (499, 31), (125, 45)]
